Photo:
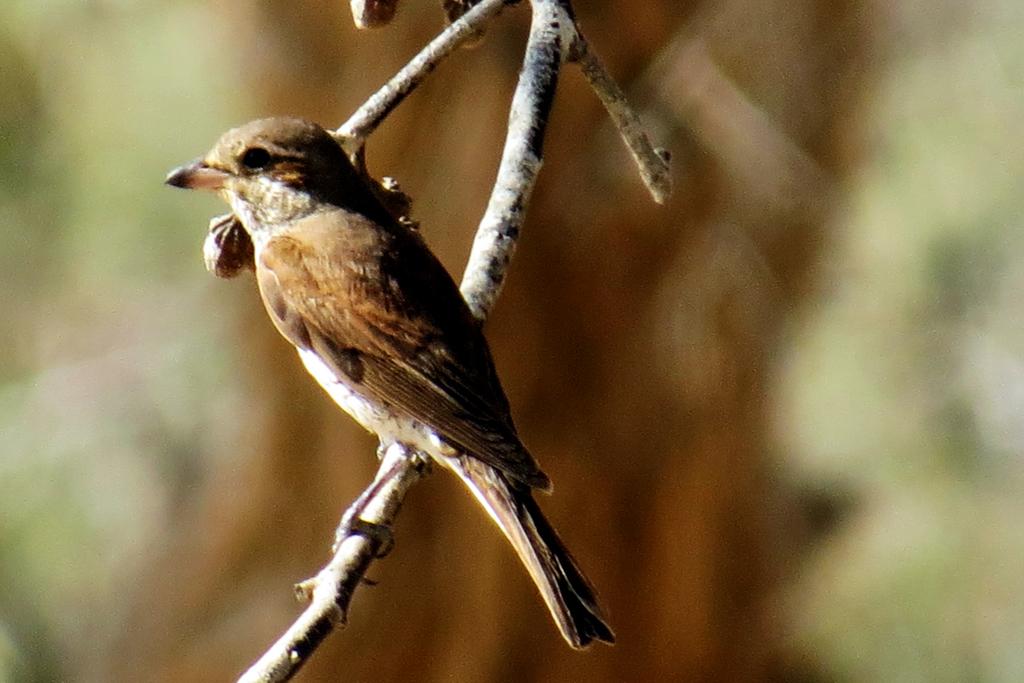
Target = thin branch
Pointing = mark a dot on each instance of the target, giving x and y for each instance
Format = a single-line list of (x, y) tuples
[(370, 115), (521, 159), (330, 591), (652, 162), (553, 37)]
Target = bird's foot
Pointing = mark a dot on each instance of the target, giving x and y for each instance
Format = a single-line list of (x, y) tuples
[(379, 534)]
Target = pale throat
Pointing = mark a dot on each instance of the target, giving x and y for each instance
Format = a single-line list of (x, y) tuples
[(265, 205)]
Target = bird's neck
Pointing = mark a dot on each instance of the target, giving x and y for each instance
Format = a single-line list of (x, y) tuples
[(274, 205), (269, 207)]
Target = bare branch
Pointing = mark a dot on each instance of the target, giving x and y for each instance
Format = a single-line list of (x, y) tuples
[(521, 159), (653, 163), (330, 591), (370, 115)]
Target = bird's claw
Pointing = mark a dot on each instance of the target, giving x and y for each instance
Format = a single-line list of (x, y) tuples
[(380, 534)]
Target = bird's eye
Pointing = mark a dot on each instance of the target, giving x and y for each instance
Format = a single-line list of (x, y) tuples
[(255, 158)]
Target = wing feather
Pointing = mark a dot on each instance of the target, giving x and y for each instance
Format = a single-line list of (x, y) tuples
[(342, 286)]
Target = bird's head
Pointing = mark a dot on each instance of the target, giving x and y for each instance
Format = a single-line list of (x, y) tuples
[(273, 171)]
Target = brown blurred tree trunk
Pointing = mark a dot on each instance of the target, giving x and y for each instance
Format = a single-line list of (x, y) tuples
[(635, 342)]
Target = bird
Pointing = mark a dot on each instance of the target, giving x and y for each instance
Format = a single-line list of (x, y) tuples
[(379, 323)]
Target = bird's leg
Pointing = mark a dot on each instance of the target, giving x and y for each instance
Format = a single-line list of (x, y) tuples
[(352, 523)]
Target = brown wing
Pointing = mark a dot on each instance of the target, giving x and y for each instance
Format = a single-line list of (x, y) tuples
[(377, 306)]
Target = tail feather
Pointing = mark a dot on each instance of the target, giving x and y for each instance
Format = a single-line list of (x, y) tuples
[(566, 591)]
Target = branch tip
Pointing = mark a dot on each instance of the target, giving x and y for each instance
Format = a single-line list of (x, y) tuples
[(652, 163)]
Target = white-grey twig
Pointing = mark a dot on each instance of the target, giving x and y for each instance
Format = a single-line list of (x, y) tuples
[(330, 591), (553, 38), (652, 162), (366, 119), (521, 159)]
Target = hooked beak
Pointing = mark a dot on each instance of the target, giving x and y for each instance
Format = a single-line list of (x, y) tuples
[(197, 176)]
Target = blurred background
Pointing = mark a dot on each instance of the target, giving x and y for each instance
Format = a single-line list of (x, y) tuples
[(783, 413)]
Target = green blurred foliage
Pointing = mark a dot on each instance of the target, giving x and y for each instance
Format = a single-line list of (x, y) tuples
[(110, 351), (905, 387)]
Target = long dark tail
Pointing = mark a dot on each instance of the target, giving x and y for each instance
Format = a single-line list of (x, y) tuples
[(565, 590)]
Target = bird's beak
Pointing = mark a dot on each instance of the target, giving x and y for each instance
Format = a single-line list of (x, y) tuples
[(197, 176)]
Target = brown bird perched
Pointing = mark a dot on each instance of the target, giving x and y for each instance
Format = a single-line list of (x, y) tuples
[(380, 324)]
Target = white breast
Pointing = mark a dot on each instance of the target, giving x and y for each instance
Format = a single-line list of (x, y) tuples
[(381, 419)]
